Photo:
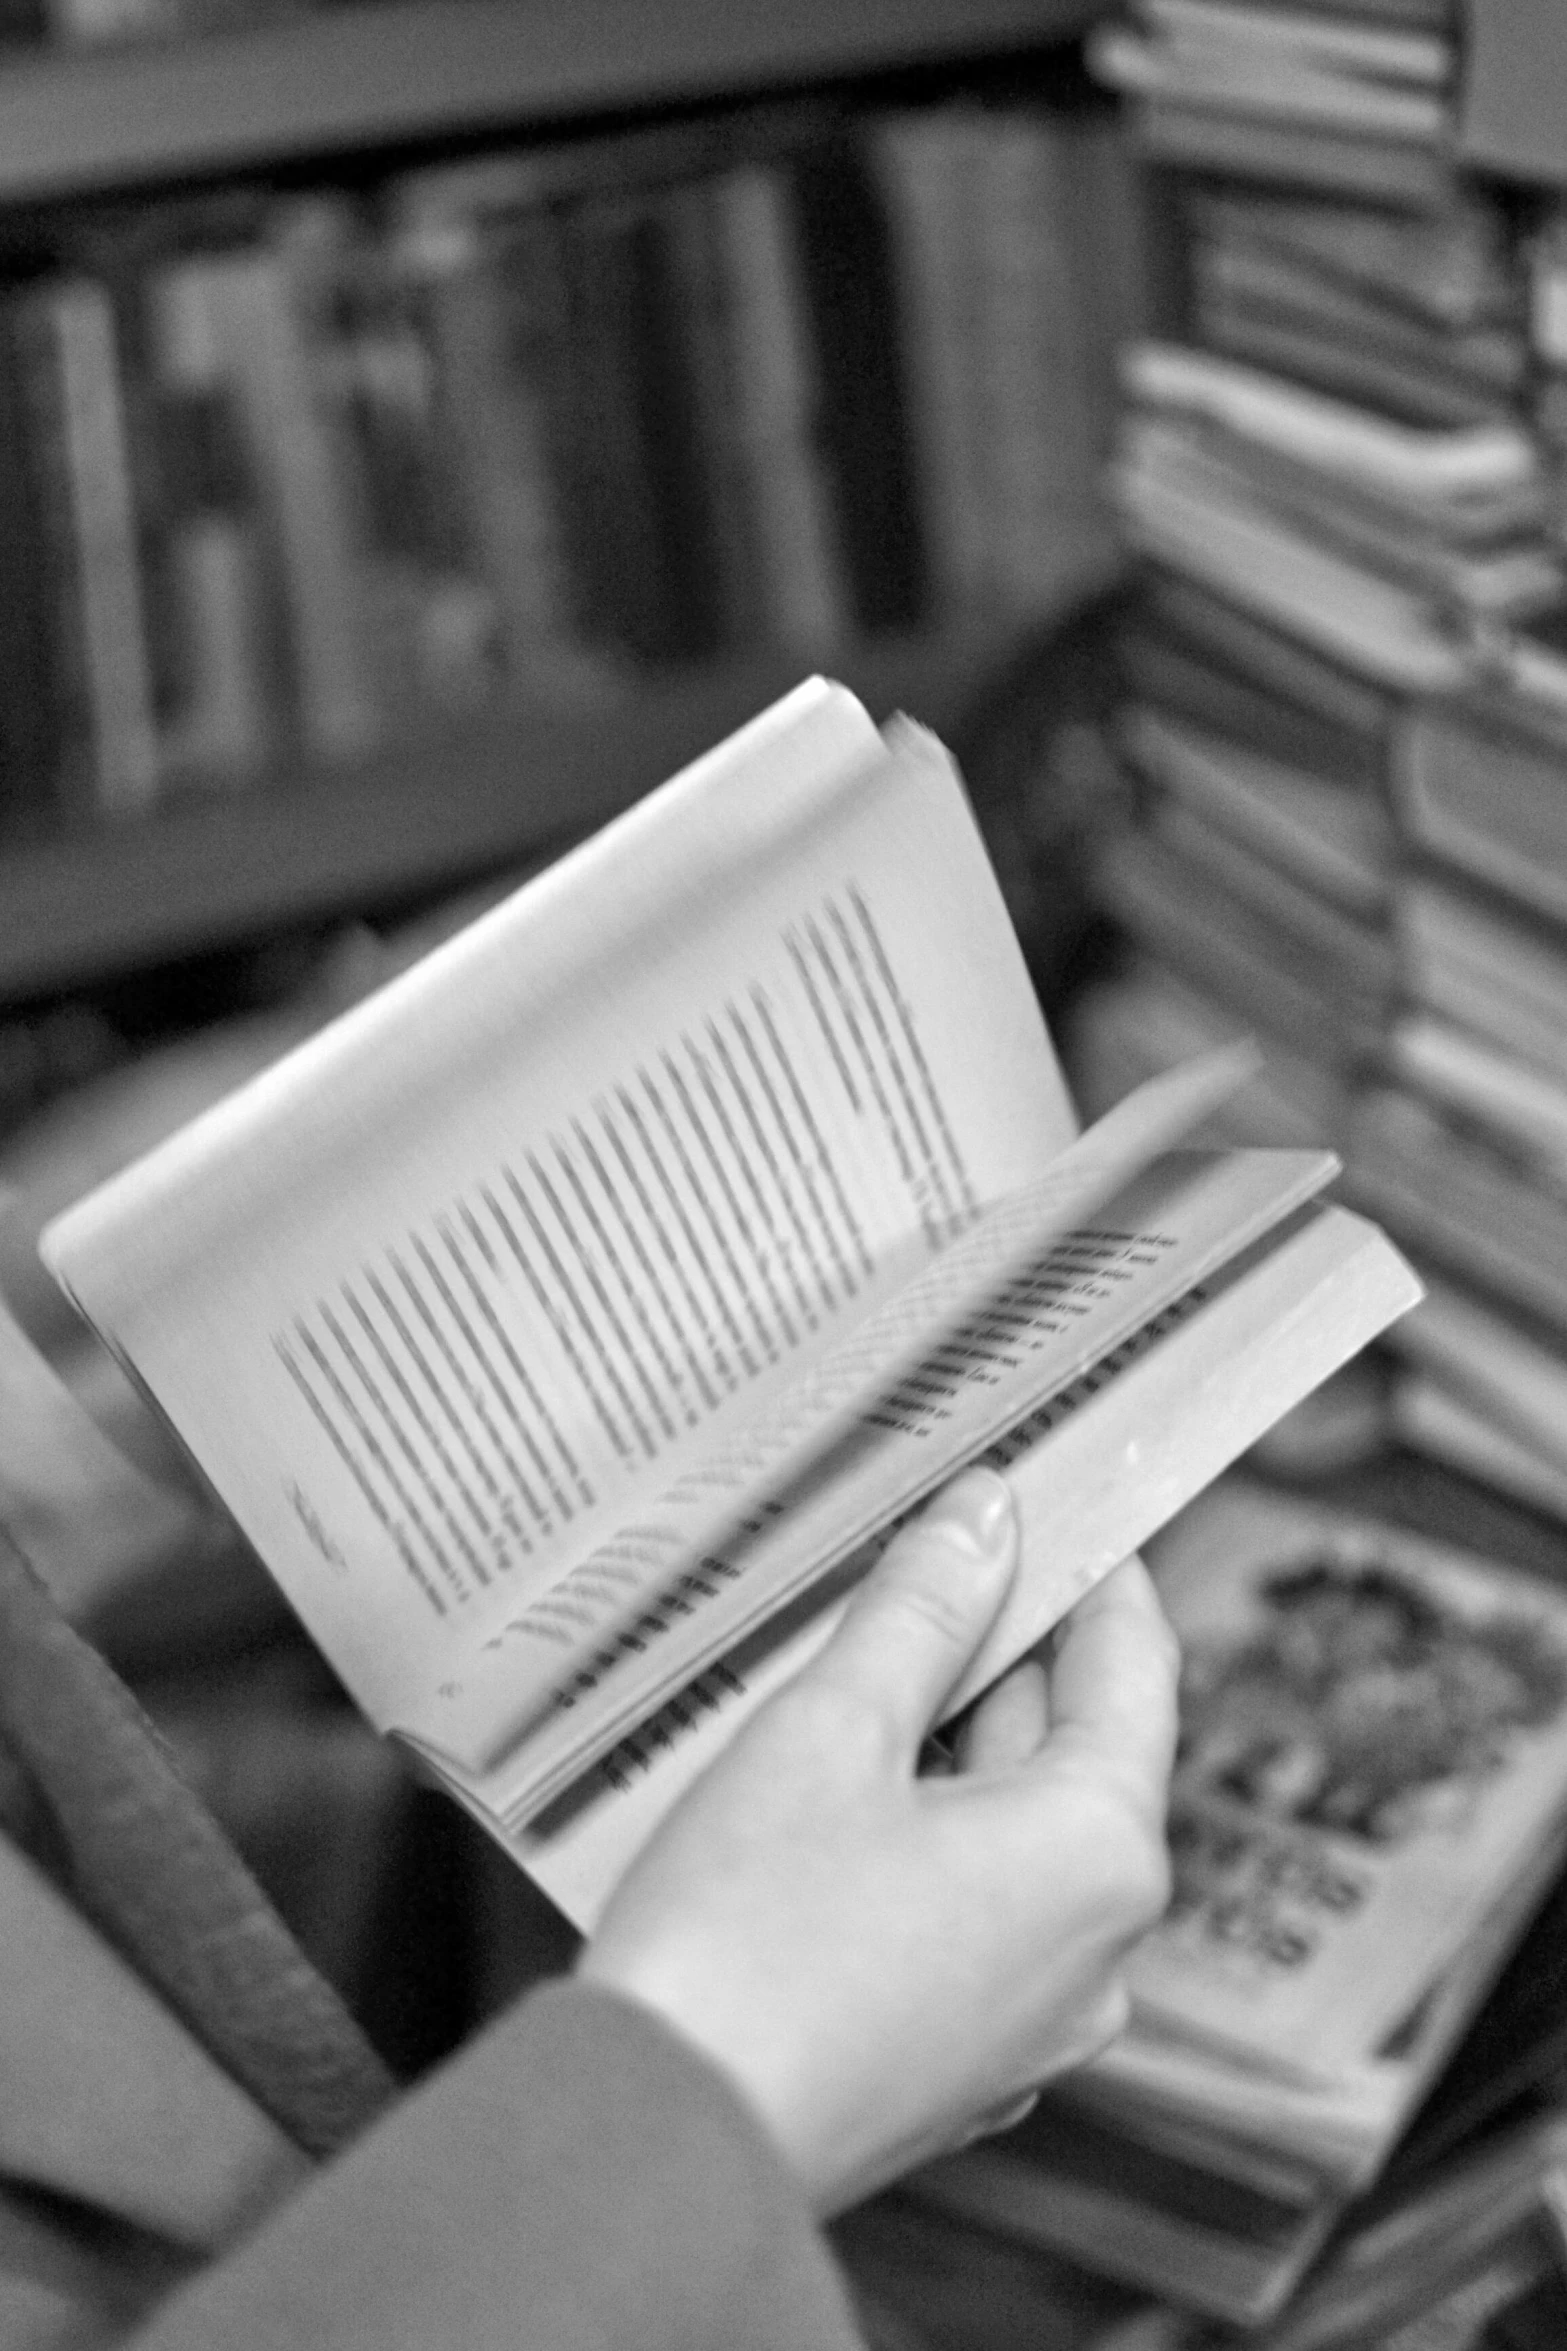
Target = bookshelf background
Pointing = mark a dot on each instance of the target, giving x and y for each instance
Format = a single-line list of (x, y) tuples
[(116, 155), (123, 146)]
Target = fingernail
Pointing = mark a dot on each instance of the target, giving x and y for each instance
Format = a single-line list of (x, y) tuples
[(975, 1511)]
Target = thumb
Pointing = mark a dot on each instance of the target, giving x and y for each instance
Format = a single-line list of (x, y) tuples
[(924, 1609)]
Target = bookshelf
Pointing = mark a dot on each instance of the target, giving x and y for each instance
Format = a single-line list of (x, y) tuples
[(405, 79), (368, 76), (514, 788)]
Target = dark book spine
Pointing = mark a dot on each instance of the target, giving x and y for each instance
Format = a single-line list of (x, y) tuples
[(607, 496), (675, 437), (32, 707), (852, 304)]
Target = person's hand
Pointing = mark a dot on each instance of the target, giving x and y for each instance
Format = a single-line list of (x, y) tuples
[(885, 1962)]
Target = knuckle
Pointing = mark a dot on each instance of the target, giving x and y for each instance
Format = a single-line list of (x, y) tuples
[(1145, 1878), (818, 1715), (933, 1607), (1138, 1877)]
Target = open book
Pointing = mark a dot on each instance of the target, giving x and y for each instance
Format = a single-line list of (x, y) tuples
[(569, 1323)]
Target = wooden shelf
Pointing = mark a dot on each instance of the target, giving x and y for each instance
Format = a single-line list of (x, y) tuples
[(365, 76), (210, 872)]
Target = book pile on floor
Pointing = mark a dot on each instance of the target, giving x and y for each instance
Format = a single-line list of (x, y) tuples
[(1346, 784), (1347, 681), (1370, 1808), (1465, 1138), (1354, 100)]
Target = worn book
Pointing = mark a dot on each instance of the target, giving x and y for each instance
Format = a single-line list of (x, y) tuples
[(1370, 1806), (1374, 1732), (568, 1323)]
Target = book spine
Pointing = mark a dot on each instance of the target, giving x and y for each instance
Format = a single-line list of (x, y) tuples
[(261, 303), (1046, 521), (483, 294), (79, 437), (700, 314), (33, 706), (618, 547), (219, 690), (674, 445), (926, 167), (776, 393), (863, 429)]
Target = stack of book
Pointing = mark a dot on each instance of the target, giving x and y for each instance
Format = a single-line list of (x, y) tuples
[(1348, 534), (285, 476), (1464, 1136), (1370, 1802), (1353, 99), (1314, 569), (1343, 683)]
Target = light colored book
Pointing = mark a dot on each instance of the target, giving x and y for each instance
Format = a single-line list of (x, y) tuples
[(1480, 790), (1452, 265), (1491, 971), (568, 1322), (1186, 512), (1447, 1189), (1289, 39), (1207, 2166), (1338, 438), (90, 559), (258, 305), (1430, 1418), (1251, 80), (1524, 1108), (1335, 841), (1374, 1747)]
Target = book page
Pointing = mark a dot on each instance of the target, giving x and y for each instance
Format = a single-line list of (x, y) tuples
[(433, 1299), (701, 1578), (634, 1591), (1094, 1472)]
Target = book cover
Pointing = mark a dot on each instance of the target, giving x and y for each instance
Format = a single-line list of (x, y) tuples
[(1373, 1742)]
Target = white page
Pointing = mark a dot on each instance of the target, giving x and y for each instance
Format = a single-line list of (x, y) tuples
[(1093, 1476), (636, 1591), (761, 1035), (710, 1580)]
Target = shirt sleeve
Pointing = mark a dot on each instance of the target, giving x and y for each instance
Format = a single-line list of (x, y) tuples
[(576, 2179)]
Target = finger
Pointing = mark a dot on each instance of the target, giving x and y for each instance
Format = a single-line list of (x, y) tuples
[(923, 1611), (1113, 1684), (1009, 1724), (1001, 2118)]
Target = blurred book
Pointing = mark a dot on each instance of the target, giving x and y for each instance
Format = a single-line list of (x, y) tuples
[(1344, 100), (1480, 789), (1369, 1808), (1386, 546), (1456, 266)]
